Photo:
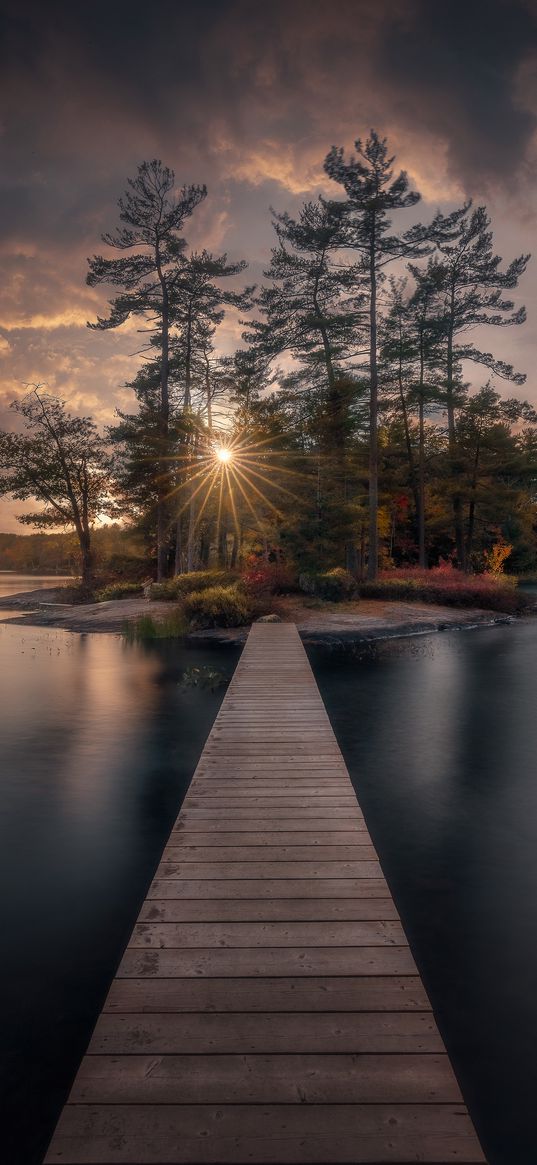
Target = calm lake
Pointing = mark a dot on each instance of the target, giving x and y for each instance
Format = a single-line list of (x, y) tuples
[(12, 583), (99, 741)]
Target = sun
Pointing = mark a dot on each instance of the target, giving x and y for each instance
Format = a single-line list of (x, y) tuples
[(224, 455)]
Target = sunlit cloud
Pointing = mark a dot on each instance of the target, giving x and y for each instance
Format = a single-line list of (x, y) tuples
[(247, 98)]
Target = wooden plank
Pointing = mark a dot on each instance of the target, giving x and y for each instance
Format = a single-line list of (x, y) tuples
[(339, 1134), (269, 888), (163, 935), (265, 1079), (297, 812), (273, 853), (326, 994), (266, 961), (268, 910), (353, 1033), (263, 841), (267, 824), (203, 870), (267, 1008)]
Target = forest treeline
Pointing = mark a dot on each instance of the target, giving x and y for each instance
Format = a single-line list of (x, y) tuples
[(360, 412)]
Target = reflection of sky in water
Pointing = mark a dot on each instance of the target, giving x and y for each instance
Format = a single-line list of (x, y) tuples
[(440, 735), (99, 741), (12, 583)]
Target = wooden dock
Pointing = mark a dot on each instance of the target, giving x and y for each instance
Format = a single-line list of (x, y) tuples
[(267, 1008)]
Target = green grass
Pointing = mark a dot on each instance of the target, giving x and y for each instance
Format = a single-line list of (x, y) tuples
[(119, 590), (172, 626)]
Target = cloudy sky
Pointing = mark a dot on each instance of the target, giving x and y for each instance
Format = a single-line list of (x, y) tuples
[(246, 97)]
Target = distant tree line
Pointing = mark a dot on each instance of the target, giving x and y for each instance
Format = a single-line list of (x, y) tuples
[(359, 437)]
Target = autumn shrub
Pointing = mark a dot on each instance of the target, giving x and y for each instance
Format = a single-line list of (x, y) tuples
[(218, 606), (333, 586), (119, 590), (173, 589), (267, 578), (448, 587), (496, 557)]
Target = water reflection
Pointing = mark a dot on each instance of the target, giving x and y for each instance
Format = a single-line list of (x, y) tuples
[(99, 741), (12, 583), (442, 745)]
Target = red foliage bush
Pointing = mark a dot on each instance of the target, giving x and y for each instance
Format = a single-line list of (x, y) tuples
[(267, 578), (449, 587)]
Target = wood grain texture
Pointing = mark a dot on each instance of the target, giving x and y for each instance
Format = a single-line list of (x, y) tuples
[(267, 1008)]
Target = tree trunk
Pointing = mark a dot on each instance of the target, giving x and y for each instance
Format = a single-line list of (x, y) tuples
[(208, 397), (409, 449), (373, 554), (452, 440), (164, 425), (87, 562), (421, 488), (472, 506), (178, 547), (421, 459), (235, 549)]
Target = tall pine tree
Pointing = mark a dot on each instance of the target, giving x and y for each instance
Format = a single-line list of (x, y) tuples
[(372, 195), (152, 214)]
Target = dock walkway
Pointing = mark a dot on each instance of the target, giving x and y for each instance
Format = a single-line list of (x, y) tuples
[(267, 1008)]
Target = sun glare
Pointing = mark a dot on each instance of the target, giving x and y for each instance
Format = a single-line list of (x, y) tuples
[(224, 455)]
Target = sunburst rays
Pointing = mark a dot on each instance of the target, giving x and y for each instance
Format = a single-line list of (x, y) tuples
[(241, 473)]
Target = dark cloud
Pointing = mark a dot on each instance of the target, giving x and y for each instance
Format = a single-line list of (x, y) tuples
[(456, 65), (246, 97)]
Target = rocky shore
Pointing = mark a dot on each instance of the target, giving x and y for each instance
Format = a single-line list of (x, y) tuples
[(364, 622)]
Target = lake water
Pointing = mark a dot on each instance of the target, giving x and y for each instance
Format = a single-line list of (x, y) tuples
[(12, 583), (99, 741), (440, 736)]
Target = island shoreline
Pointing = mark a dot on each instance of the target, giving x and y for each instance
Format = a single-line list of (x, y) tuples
[(350, 625)]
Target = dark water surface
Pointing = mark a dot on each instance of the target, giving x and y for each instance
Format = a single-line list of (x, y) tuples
[(99, 741), (440, 736)]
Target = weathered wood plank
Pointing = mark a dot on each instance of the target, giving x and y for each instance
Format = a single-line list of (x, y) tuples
[(262, 888), (262, 1079), (268, 824), (163, 935), (263, 840), (269, 910), (266, 961), (268, 1135), (354, 1033), (202, 870), (297, 812), (273, 853), (326, 994)]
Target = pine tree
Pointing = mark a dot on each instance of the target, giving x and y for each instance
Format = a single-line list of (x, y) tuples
[(310, 307), (372, 194), (152, 215), (470, 287)]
